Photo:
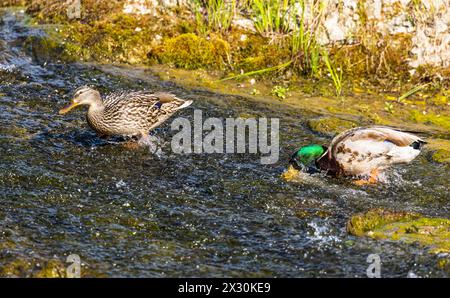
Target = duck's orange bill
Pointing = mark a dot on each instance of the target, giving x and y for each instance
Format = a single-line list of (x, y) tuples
[(68, 108)]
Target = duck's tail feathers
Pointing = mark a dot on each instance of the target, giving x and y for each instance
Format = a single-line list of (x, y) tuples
[(185, 104)]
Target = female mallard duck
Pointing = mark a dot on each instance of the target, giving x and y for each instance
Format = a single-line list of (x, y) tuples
[(360, 152), (126, 114)]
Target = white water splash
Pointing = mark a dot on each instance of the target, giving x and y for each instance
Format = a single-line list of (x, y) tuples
[(322, 234)]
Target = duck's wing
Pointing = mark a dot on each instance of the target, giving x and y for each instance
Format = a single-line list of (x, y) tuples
[(357, 151), (170, 102), (143, 103), (382, 134)]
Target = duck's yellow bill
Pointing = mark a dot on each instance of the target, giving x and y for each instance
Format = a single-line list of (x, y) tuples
[(68, 108)]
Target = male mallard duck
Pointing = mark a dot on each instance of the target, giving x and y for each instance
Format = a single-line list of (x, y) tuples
[(360, 152), (126, 114)]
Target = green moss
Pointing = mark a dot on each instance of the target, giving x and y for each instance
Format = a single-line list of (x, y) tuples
[(360, 224), (438, 100), (265, 56), (402, 226), (444, 264), (192, 52), (440, 149), (51, 269), (117, 38), (16, 3), (25, 268), (439, 120), (441, 156), (330, 125), (105, 34), (17, 268), (48, 48), (55, 11), (111, 40)]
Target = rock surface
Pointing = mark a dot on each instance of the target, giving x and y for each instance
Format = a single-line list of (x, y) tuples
[(381, 224)]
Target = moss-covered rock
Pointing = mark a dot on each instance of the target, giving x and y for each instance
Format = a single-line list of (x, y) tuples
[(441, 156), (192, 52), (25, 268), (402, 226), (51, 269), (16, 268), (46, 48), (444, 264), (119, 38), (361, 224), (330, 125), (440, 150)]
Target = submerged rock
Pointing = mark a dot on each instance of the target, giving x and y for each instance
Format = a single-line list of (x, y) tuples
[(25, 268), (406, 227)]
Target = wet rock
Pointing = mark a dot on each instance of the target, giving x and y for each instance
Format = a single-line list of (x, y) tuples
[(330, 126), (440, 150), (380, 224)]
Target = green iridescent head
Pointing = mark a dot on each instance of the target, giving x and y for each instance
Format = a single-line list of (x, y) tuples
[(306, 156)]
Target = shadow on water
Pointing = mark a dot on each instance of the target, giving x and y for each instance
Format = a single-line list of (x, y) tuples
[(132, 213)]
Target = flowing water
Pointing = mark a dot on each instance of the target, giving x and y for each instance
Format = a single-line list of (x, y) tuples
[(129, 213)]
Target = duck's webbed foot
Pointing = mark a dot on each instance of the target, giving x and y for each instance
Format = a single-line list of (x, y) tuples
[(372, 179)]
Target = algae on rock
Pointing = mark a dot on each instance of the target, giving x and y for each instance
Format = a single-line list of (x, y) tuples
[(406, 227), (192, 52)]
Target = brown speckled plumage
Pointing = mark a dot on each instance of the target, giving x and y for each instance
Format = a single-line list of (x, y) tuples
[(126, 113)]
